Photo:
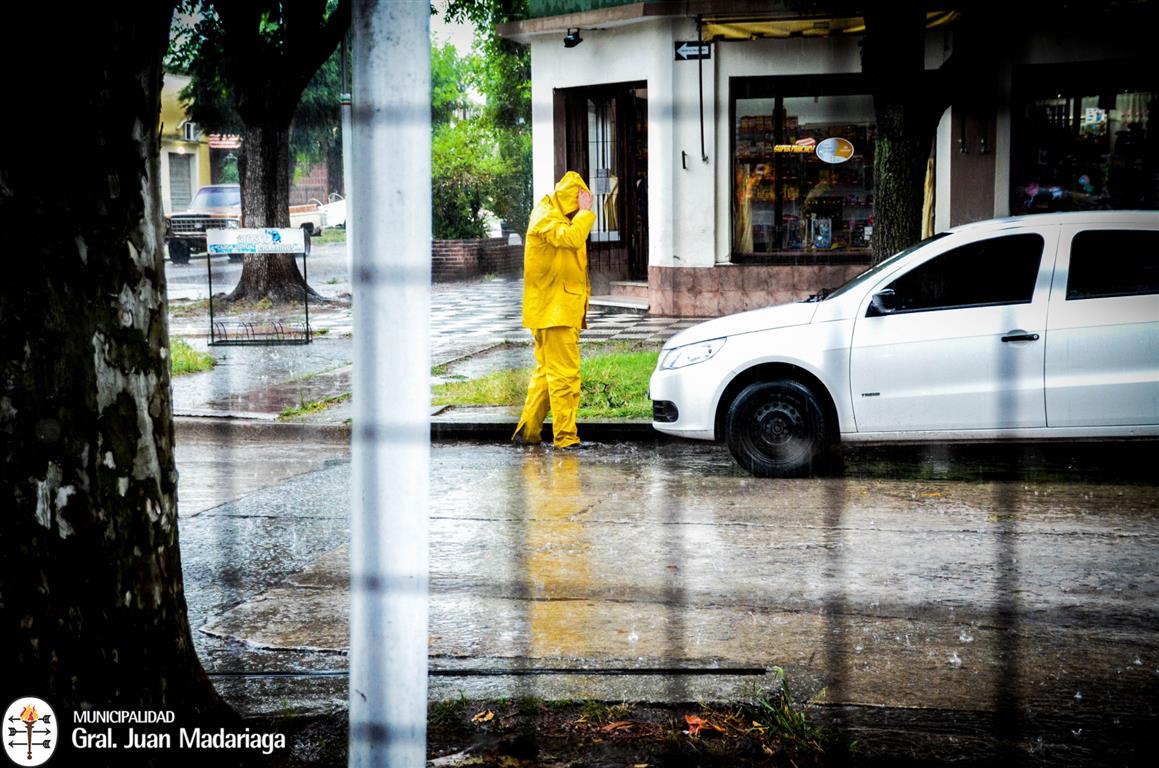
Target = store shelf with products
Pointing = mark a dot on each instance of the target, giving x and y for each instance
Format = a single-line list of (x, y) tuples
[(795, 202)]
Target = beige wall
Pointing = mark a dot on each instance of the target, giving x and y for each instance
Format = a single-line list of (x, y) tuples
[(172, 124)]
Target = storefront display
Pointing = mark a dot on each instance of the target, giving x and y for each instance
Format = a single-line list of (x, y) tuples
[(790, 199), (1080, 144)]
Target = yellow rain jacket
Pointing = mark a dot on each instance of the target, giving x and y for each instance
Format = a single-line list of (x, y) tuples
[(555, 259)]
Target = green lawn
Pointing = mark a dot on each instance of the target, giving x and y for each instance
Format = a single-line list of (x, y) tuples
[(614, 384), (185, 359)]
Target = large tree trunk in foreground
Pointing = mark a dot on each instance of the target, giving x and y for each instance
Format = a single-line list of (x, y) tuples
[(893, 58), (92, 605)]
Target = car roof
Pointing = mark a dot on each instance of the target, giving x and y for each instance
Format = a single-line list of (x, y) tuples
[(1063, 217)]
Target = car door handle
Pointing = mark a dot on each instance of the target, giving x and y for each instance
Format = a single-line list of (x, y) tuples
[(1020, 336)]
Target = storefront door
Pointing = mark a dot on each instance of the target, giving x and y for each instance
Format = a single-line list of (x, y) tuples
[(601, 132)]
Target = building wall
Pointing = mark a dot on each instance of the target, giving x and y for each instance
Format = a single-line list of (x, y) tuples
[(690, 200), (466, 259), (729, 288), (642, 52), (172, 123)]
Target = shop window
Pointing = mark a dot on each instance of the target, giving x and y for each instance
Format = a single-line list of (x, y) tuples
[(790, 205), (1085, 150)]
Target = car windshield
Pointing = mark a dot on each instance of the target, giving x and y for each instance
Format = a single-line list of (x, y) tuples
[(877, 268), (217, 197)]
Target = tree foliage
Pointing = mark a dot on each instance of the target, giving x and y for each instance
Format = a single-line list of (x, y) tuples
[(197, 50), (502, 75), (259, 56)]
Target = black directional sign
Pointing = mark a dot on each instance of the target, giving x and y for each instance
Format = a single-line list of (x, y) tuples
[(690, 50)]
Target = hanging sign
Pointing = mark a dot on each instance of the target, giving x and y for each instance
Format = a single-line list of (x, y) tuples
[(232, 241), (835, 150), (691, 50)]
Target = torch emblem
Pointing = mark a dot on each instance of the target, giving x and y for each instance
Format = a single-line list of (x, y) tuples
[(31, 731)]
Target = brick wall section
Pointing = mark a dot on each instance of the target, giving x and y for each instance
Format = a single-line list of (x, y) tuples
[(467, 259), (729, 288)]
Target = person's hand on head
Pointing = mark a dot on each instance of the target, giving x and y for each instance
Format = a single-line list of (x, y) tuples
[(585, 200)]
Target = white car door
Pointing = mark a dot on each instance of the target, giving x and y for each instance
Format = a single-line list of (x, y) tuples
[(960, 343), (1102, 351)]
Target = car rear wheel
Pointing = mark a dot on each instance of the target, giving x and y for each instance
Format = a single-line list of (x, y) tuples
[(776, 428)]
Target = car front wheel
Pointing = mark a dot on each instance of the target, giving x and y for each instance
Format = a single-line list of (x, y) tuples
[(178, 252), (776, 428)]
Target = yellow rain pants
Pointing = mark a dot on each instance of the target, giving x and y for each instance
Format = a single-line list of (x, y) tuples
[(554, 385)]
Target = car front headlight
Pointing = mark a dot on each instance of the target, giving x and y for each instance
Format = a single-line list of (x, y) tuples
[(690, 354), (232, 223)]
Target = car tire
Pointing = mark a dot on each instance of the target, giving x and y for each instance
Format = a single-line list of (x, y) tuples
[(776, 429), (178, 252)]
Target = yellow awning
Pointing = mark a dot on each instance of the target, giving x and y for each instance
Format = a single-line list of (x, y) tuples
[(722, 28)]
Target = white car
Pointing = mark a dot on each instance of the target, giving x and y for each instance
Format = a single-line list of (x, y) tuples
[(1033, 327), (335, 211)]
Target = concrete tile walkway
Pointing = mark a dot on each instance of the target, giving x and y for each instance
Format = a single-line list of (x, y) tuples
[(466, 319)]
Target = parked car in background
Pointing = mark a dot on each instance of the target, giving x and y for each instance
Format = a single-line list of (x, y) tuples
[(335, 211), (1035, 327), (218, 206)]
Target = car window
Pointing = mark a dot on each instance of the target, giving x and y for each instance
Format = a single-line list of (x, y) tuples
[(875, 269), (1110, 262), (217, 198), (1001, 270)]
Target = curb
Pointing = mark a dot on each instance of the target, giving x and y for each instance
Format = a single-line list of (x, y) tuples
[(234, 429)]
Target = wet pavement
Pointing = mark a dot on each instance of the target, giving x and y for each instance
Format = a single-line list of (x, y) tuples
[(961, 593), (935, 602), (475, 327)]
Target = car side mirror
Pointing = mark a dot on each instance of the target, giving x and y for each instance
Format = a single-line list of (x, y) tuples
[(882, 303)]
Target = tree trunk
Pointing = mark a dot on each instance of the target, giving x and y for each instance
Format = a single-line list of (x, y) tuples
[(92, 604), (264, 167), (893, 57), (899, 172)]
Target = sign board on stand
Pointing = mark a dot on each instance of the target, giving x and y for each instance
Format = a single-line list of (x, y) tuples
[(245, 241)]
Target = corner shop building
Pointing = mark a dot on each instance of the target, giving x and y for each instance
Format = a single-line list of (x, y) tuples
[(685, 145)]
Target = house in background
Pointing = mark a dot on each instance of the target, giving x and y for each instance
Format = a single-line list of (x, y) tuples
[(185, 162), (679, 115), (191, 159)]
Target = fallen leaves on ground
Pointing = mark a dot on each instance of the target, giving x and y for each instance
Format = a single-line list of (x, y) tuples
[(485, 716), (696, 724)]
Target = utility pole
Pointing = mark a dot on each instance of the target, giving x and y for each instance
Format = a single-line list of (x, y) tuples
[(390, 235)]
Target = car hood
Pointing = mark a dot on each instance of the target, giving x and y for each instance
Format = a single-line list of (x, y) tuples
[(780, 316), (229, 211)]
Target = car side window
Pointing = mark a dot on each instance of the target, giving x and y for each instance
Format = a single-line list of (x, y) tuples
[(1001, 270), (1113, 262)]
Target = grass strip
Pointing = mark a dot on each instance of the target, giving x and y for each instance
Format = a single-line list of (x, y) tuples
[(185, 359), (614, 385)]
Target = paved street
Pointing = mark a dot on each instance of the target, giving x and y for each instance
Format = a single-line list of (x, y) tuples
[(933, 602), (958, 594)]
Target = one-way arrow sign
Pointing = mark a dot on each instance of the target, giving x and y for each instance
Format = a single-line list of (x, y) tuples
[(691, 50)]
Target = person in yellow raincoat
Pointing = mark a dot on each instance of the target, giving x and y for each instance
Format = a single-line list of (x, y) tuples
[(555, 306)]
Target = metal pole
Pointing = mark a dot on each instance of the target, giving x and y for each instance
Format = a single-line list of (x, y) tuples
[(390, 208), (347, 128)]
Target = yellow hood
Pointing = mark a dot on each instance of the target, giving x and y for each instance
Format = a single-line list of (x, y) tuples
[(566, 196)]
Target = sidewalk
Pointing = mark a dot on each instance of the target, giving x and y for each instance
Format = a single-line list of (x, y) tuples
[(475, 328)]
